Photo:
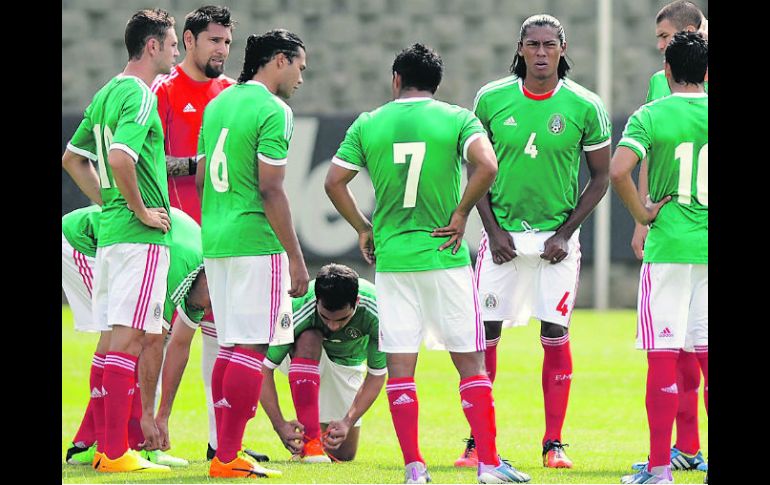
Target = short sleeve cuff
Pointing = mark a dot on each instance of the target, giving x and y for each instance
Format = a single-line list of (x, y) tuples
[(271, 161), (377, 372), (344, 164), (127, 149), (634, 145), (199, 156), (590, 148), (468, 142), (81, 152)]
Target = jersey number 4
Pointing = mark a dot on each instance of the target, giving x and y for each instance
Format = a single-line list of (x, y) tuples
[(416, 152), (684, 153)]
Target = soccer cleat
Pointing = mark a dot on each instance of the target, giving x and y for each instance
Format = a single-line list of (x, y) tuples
[(416, 472), (680, 461), (554, 456), (470, 457), (644, 476), (162, 458), (81, 456), (313, 452), (243, 466), (502, 473), (130, 461), (210, 452)]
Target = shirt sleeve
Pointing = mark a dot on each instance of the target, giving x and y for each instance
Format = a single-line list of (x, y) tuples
[(303, 314), (471, 130), (350, 153), (636, 134), (274, 135), (375, 359), (597, 131), (135, 120), (83, 142)]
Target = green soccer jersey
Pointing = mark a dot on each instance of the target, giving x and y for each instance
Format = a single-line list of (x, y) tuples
[(672, 132), (538, 144), (81, 227), (186, 262), (355, 343), (413, 150), (659, 86), (243, 124), (123, 116)]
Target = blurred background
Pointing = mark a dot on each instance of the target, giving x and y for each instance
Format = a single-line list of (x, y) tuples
[(351, 45)]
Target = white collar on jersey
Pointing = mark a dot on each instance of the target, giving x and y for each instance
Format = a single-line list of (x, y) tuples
[(690, 95), (411, 100), (555, 90)]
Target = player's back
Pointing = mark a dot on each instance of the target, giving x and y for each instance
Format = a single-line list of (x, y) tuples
[(186, 260), (81, 228)]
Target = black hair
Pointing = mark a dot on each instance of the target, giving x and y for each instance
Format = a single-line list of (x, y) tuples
[(260, 49), (688, 56), (420, 67), (518, 66), (144, 25), (336, 286), (198, 20), (681, 14)]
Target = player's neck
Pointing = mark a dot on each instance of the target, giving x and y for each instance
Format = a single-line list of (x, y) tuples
[(143, 70), (192, 71), (267, 80), (414, 93), (540, 86), (686, 88)]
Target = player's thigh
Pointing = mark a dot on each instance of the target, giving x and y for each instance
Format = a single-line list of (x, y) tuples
[(557, 288), (698, 316), (399, 312), (339, 386), (663, 305)]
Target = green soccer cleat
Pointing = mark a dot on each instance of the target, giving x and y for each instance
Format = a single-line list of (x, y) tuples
[(81, 456), (162, 458)]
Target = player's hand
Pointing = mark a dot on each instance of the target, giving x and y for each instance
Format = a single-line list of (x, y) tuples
[(336, 434), (555, 248), (366, 245), (299, 277), (501, 246), (455, 231), (654, 207), (151, 434), (291, 433), (156, 217), (162, 423), (637, 240)]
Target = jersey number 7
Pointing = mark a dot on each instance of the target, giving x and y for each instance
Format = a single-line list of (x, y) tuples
[(416, 152)]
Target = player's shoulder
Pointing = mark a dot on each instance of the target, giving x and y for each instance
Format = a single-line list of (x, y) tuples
[(498, 86), (304, 305), (367, 297), (179, 217), (163, 81), (81, 212), (225, 81), (131, 87), (658, 76), (580, 93)]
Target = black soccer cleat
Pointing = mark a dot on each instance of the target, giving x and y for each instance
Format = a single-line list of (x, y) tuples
[(210, 452)]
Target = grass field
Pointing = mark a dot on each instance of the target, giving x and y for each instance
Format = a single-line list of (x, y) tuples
[(606, 425)]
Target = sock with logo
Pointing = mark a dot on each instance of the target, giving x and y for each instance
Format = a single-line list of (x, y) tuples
[(88, 431), (220, 364), (241, 386), (688, 382), (490, 358), (135, 435), (118, 381), (402, 396), (305, 381), (479, 408), (662, 403), (556, 380), (702, 353)]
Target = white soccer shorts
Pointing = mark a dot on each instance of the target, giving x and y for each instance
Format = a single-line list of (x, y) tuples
[(673, 306), (77, 280), (130, 285), (438, 306), (528, 286), (249, 296)]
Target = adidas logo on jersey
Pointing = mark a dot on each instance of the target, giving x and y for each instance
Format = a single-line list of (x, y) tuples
[(666, 333), (222, 403), (510, 121), (403, 399), (672, 389), (189, 108), (466, 404)]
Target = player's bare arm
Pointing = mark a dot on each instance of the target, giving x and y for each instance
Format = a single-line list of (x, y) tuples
[(623, 162), (365, 397), (640, 231), (279, 216), (598, 162), (484, 161), (200, 175), (336, 185), (286, 430), (84, 174), (177, 166), (150, 360), (124, 173)]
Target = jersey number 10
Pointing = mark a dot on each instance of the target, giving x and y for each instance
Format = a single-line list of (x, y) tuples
[(103, 142), (684, 153)]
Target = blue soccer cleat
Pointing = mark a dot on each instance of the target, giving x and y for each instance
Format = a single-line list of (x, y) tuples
[(680, 461)]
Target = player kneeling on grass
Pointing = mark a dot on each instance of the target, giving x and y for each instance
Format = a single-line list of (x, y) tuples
[(187, 293), (336, 329)]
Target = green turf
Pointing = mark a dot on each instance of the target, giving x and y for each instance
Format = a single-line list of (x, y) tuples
[(606, 424)]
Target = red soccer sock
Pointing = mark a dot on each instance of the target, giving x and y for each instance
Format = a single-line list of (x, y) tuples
[(490, 358), (217, 373), (479, 408), (88, 431), (402, 396), (118, 382), (556, 380), (702, 353), (305, 381), (241, 386), (135, 435), (662, 403), (688, 382)]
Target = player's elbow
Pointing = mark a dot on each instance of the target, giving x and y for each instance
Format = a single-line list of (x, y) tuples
[(617, 173)]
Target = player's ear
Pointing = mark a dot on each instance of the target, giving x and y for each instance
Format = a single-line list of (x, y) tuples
[(188, 38), (563, 48)]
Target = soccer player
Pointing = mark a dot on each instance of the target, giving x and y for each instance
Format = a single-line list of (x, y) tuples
[(122, 131), (672, 132), (528, 264), (685, 454), (413, 149), (187, 293), (247, 232), (336, 330)]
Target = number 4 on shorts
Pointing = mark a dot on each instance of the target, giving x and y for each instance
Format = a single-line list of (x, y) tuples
[(561, 307)]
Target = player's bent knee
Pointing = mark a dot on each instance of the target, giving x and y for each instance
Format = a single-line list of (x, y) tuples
[(308, 345), (493, 329)]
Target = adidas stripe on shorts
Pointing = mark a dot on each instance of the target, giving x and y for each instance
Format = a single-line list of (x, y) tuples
[(77, 280)]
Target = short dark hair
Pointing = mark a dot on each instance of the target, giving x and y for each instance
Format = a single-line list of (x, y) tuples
[(681, 14), (518, 66), (198, 20), (688, 56), (260, 49), (420, 67), (336, 286), (144, 25)]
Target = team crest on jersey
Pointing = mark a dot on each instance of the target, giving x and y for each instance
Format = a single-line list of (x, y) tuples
[(353, 333), (556, 124), (156, 311), (490, 301), (285, 321)]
